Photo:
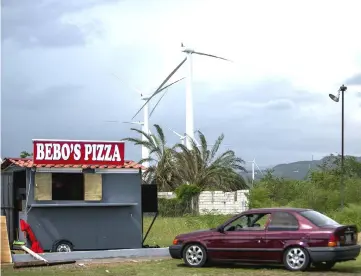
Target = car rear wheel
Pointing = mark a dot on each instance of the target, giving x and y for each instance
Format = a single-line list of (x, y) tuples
[(324, 265), (296, 259), (194, 255)]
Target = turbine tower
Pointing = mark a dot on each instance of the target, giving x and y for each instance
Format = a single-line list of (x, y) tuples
[(146, 115), (189, 92), (253, 162)]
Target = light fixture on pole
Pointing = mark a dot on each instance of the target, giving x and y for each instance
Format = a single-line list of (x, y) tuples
[(341, 91)]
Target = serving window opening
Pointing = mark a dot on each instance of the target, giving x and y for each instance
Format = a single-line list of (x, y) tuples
[(67, 186)]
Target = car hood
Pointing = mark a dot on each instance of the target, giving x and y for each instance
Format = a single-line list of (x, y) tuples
[(196, 233)]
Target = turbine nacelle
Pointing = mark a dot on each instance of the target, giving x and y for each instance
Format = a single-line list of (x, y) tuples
[(187, 50)]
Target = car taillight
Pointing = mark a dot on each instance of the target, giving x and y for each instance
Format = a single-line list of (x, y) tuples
[(333, 241)]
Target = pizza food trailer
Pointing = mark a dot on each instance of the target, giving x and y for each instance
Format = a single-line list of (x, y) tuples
[(76, 195)]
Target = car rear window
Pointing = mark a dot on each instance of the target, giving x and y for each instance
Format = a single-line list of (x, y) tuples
[(318, 219)]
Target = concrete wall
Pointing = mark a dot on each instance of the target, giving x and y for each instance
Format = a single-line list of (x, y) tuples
[(91, 227), (218, 201)]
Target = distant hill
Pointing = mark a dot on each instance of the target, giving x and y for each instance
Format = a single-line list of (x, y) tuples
[(295, 170), (298, 170)]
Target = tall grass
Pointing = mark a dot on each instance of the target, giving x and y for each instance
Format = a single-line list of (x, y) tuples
[(165, 229)]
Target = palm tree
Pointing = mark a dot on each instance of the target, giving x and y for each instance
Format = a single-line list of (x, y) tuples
[(25, 154), (206, 168), (160, 170)]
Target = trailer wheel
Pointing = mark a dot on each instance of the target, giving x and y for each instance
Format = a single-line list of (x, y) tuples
[(62, 246)]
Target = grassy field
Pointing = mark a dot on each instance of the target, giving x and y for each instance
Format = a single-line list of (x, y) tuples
[(174, 268), (162, 234), (165, 229)]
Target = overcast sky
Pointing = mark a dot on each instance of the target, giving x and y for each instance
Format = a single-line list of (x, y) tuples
[(271, 103)]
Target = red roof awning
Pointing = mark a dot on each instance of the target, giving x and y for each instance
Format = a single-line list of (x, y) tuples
[(28, 163)]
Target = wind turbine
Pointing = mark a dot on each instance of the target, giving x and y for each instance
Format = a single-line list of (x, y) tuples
[(253, 162), (189, 96), (146, 115)]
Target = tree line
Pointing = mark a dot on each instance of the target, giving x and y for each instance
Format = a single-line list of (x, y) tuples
[(201, 166), (204, 168)]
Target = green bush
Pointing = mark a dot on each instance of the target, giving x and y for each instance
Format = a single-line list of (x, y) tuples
[(183, 204), (187, 192), (349, 215), (171, 207)]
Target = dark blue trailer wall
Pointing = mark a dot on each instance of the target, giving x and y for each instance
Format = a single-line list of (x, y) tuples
[(114, 222)]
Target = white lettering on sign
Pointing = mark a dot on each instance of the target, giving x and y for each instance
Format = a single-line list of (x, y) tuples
[(40, 154), (56, 152), (65, 151), (77, 153), (97, 152), (116, 154), (107, 149), (48, 151), (88, 150)]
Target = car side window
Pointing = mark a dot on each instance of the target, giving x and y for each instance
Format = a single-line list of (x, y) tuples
[(250, 222), (283, 221), (237, 224)]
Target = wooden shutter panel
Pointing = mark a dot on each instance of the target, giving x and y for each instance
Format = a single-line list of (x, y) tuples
[(43, 186), (93, 186)]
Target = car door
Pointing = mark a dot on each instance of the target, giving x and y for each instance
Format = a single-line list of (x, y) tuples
[(281, 230), (240, 240)]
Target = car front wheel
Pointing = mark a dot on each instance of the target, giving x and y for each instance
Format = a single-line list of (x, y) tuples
[(194, 255), (296, 259)]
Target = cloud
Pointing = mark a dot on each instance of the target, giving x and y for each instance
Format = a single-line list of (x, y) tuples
[(53, 98), (42, 22), (271, 103), (356, 79)]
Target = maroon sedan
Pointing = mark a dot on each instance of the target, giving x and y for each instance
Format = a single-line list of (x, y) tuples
[(295, 237)]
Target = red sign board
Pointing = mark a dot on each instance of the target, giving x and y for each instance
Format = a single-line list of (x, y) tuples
[(72, 152)]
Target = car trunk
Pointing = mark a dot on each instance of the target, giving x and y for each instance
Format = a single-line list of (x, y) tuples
[(345, 234)]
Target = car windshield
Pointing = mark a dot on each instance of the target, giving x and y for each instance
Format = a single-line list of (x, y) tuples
[(318, 219)]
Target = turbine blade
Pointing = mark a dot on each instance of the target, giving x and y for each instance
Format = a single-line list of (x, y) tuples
[(176, 133), (160, 87), (131, 87), (150, 114), (208, 55), (111, 121), (259, 169), (134, 123)]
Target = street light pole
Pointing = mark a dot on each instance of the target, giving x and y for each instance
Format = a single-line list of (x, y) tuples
[(342, 89)]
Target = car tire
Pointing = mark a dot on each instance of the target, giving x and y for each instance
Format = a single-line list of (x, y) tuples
[(194, 255), (62, 246), (296, 258), (324, 265)]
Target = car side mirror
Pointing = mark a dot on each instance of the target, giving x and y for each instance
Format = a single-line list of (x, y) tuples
[(220, 229)]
